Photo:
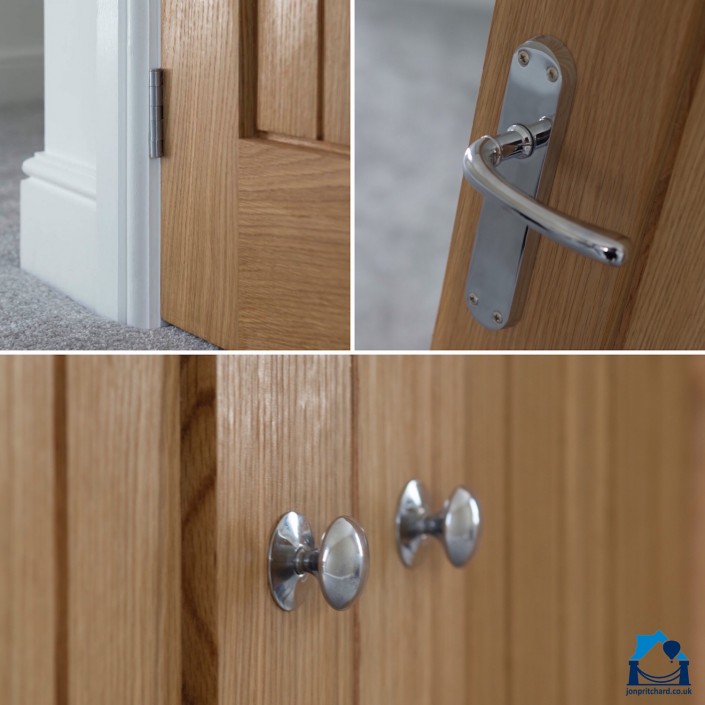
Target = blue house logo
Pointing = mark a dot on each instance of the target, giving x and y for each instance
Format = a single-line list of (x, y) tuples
[(672, 649)]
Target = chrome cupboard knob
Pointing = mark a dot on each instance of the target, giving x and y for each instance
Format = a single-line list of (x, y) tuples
[(340, 564), (456, 525)]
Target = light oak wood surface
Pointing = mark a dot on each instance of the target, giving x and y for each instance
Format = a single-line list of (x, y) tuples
[(255, 181), (136, 552), (284, 443), (422, 638), (586, 505), (697, 578), (601, 178), (288, 51), (654, 514), (536, 516), (123, 530), (199, 260), (669, 306), (6, 552), (602, 471), (294, 281), (336, 71), (31, 574)]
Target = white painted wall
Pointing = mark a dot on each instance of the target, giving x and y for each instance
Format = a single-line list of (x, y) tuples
[(21, 50)]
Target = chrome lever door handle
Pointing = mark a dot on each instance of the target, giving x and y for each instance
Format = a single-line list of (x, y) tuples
[(520, 141), (514, 171)]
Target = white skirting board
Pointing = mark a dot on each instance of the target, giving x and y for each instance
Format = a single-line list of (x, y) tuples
[(59, 243), (90, 209)]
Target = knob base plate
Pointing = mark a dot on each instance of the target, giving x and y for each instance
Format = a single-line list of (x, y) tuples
[(290, 537)]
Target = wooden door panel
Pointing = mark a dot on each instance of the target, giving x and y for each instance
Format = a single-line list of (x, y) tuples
[(89, 450), (656, 415), (123, 517), (668, 311), (256, 186), (32, 581), (287, 72), (199, 223), (336, 72), (284, 443), (587, 529), (289, 276), (601, 178), (591, 562), (582, 467), (423, 638), (535, 516)]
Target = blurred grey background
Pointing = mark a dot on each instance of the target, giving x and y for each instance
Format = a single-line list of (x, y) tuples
[(417, 70)]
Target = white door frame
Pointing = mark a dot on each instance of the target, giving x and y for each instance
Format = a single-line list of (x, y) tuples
[(90, 209)]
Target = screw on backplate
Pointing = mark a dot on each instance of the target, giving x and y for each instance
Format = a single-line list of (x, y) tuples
[(497, 317), (523, 57), (552, 73), (472, 298)]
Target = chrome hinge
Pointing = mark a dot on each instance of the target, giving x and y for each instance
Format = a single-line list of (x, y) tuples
[(156, 113)]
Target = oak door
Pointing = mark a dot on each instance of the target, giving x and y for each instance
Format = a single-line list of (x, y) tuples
[(138, 496), (631, 162), (256, 177)]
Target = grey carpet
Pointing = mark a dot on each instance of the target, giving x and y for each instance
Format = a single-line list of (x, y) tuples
[(34, 316), (417, 73)]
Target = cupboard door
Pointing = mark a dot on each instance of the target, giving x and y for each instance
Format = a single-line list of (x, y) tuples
[(284, 443), (433, 633), (574, 302), (255, 181), (582, 468)]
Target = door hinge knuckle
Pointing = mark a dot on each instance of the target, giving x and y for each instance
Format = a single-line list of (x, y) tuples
[(156, 113)]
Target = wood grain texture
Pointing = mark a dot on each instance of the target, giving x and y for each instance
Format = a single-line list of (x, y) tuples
[(284, 442), (198, 532), (294, 248), (6, 553), (248, 66), (336, 71), (124, 530), (697, 577), (288, 68), (422, 638), (602, 478), (537, 600), (30, 461), (652, 484), (669, 308), (255, 232), (601, 179), (586, 623), (199, 262), (489, 577)]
